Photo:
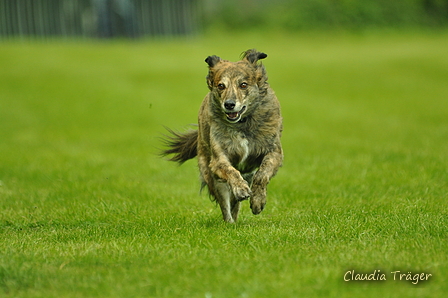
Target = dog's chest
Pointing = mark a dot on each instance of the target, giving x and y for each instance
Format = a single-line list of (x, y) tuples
[(243, 149), (239, 149)]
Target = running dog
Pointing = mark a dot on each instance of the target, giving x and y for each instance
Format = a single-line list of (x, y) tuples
[(238, 139)]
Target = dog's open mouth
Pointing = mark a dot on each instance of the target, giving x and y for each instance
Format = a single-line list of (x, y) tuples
[(235, 116)]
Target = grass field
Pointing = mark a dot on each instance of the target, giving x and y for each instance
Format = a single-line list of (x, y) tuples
[(88, 209)]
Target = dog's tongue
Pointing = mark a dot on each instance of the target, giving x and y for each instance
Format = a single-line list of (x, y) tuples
[(232, 115)]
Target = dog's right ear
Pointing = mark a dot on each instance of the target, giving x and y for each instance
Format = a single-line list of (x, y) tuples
[(212, 60)]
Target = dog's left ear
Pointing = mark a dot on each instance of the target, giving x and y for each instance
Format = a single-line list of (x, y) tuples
[(252, 56)]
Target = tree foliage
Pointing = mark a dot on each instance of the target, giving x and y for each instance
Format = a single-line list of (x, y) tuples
[(324, 14)]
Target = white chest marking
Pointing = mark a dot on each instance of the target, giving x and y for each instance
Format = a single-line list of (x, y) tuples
[(244, 147)]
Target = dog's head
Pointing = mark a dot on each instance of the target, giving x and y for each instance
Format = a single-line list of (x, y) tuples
[(236, 86)]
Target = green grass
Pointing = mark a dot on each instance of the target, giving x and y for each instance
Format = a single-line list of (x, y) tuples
[(87, 208)]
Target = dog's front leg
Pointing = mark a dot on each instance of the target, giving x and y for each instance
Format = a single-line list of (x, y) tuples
[(222, 168), (224, 198), (268, 168)]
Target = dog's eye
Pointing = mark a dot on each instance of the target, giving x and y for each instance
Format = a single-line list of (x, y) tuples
[(221, 86), (243, 85)]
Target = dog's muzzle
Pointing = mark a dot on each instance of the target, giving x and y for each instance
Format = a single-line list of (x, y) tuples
[(235, 116)]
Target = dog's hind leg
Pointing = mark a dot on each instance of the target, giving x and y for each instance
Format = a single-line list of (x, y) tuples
[(224, 196)]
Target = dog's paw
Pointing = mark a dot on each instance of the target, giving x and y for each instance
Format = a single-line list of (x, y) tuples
[(242, 191), (258, 200)]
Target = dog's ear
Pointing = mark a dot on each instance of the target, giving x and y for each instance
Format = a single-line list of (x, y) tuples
[(252, 56), (212, 60)]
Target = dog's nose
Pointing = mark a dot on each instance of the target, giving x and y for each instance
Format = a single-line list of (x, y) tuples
[(229, 104)]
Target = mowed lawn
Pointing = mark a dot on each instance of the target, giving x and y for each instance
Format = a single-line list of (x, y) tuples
[(88, 209)]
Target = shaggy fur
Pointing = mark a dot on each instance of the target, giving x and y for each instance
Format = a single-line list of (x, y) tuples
[(238, 139)]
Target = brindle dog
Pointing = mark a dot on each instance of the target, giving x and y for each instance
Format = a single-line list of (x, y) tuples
[(238, 140)]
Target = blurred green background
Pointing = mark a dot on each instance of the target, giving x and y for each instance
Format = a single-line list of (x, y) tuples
[(294, 15), (140, 18)]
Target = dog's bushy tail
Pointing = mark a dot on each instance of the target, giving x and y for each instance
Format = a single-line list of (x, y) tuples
[(182, 145)]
